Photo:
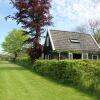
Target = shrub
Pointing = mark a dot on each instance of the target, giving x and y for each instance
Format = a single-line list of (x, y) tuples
[(25, 62), (82, 73)]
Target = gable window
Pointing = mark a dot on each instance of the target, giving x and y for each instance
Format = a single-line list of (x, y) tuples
[(74, 41)]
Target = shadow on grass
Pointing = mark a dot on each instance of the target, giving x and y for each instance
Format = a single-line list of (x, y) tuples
[(91, 93)]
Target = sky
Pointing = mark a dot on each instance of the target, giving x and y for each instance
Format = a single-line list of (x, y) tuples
[(67, 15)]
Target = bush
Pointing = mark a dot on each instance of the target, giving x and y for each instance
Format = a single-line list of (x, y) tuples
[(81, 73), (25, 62)]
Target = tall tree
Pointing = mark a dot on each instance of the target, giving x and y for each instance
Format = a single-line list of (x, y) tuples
[(14, 42), (92, 27), (95, 29), (33, 15), (81, 28)]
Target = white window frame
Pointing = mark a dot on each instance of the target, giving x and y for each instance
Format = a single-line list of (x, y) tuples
[(74, 41), (82, 56), (87, 56), (70, 56)]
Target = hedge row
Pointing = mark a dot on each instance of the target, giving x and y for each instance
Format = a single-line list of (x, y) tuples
[(82, 73), (25, 62)]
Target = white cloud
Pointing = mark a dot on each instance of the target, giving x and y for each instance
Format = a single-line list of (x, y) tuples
[(77, 10)]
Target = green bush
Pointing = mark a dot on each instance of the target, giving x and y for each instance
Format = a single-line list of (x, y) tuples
[(82, 73), (25, 62)]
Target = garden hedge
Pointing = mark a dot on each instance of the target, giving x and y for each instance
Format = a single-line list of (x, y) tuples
[(82, 73)]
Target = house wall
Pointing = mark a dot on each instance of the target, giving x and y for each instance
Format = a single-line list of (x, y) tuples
[(55, 55), (61, 56), (87, 56), (91, 56)]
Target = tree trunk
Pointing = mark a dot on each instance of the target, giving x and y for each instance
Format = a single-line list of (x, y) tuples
[(15, 56), (36, 51)]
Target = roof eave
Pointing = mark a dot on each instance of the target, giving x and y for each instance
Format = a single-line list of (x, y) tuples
[(52, 44)]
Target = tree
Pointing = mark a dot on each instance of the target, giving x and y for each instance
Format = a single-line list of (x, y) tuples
[(14, 42), (92, 27), (95, 29), (81, 28), (33, 15)]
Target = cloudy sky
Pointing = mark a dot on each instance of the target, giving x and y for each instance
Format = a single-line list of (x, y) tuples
[(68, 14)]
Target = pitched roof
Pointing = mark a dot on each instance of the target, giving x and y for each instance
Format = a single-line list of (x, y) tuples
[(64, 40)]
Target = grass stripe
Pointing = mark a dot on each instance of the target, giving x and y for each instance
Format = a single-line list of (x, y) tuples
[(17, 83)]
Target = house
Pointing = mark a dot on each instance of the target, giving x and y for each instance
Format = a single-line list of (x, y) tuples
[(70, 45)]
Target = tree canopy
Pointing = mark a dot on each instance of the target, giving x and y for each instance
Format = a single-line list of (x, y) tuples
[(14, 42), (92, 27), (34, 15)]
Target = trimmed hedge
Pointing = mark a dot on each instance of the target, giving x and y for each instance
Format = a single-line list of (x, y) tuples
[(25, 62), (81, 73)]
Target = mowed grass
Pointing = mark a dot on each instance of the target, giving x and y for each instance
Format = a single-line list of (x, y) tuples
[(18, 83)]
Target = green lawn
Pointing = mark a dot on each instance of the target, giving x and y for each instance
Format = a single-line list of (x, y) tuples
[(17, 83)]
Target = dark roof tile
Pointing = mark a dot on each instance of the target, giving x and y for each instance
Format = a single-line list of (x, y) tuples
[(61, 41)]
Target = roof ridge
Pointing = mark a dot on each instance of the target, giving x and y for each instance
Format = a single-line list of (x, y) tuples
[(70, 31)]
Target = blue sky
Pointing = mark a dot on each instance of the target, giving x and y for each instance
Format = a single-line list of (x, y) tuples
[(68, 14)]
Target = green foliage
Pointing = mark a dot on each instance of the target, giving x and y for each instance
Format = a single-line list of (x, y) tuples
[(77, 51), (14, 42), (24, 61), (81, 73)]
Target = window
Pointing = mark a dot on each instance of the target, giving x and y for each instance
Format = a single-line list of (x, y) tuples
[(95, 57), (74, 41)]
